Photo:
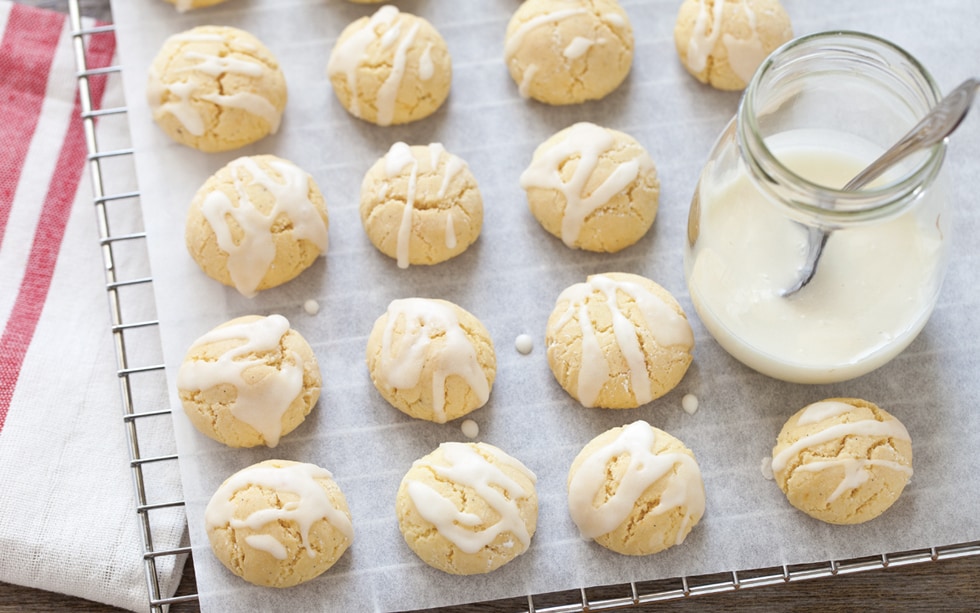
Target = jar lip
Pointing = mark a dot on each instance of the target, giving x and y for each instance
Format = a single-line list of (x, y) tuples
[(846, 203)]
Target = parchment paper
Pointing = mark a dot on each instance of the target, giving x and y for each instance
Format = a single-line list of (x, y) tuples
[(510, 279)]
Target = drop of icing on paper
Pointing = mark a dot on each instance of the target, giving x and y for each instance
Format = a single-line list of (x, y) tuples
[(311, 306), (766, 467), (470, 428), (524, 344), (689, 403)]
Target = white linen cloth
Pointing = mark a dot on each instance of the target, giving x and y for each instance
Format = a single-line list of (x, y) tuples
[(68, 520)]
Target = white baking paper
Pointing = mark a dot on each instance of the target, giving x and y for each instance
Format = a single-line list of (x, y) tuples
[(510, 279)]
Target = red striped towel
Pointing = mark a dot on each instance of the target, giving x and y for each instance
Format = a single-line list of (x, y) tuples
[(68, 519)]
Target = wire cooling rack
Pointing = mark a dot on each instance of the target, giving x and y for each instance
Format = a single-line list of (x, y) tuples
[(608, 598)]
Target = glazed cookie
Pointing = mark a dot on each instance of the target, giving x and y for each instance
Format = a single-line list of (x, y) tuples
[(188, 5), (390, 68), (279, 523), (722, 43), (618, 341), (467, 508), (431, 359), (216, 88), (249, 381), (258, 222), (592, 187), (421, 205), (568, 51), (842, 460), (636, 490)]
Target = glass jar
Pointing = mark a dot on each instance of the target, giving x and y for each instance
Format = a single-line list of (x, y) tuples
[(817, 111)]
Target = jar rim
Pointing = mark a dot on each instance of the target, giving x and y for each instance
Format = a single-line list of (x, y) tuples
[(878, 200)]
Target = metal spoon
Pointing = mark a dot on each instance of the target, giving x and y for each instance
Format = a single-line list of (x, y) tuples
[(933, 128)]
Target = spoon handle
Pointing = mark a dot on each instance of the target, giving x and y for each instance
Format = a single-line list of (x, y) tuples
[(933, 128)]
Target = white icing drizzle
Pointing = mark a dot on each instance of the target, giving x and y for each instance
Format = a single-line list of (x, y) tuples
[(397, 158), (403, 358), (819, 411), (268, 544), (615, 19), (426, 68), (524, 89), (690, 404), (745, 54), (667, 327), (516, 39), (450, 231), (249, 259), (855, 469), (470, 469), (213, 65), (524, 344), (395, 161), (470, 428), (587, 142), (184, 5), (311, 306), (856, 472), (684, 489), (261, 404), (300, 479), (388, 92), (577, 47), (765, 467), (347, 57), (702, 42)]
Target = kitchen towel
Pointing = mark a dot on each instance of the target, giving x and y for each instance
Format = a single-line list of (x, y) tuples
[(68, 519)]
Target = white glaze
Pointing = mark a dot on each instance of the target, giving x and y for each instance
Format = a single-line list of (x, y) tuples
[(690, 404), (470, 469), (577, 47), (184, 93), (856, 470), (667, 327), (299, 479), (403, 357), (250, 258), (346, 57), (384, 29), (524, 88), (311, 306), (684, 489), (891, 428), (819, 411), (262, 404), (745, 54), (524, 344), (587, 142), (470, 428), (872, 293), (516, 39), (702, 42), (395, 161), (267, 543)]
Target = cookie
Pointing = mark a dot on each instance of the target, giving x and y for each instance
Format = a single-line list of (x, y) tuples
[(188, 5), (256, 223), (421, 205), (618, 341), (636, 490), (390, 68), (279, 523), (722, 43), (467, 508), (592, 187), (842, 460), (249, 381), (568, 51), (431, 359), (216, 88)]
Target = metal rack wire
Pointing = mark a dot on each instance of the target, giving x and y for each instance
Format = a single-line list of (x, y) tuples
[(634, 594)]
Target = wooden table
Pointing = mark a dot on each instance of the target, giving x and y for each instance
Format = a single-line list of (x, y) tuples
[(950, 585)]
